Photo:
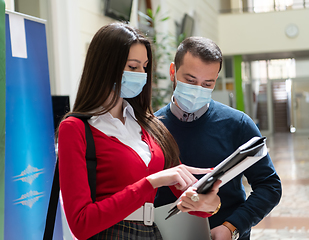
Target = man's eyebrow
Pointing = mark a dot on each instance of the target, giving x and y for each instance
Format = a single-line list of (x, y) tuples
[(190, 75)]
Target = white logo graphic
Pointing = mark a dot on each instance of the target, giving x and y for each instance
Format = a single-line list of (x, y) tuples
[(29, 198), (29, 174)]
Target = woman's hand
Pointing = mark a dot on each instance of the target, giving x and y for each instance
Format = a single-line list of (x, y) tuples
[(207, 202), (180, 176)]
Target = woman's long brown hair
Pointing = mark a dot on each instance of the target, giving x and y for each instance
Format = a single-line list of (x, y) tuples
[(102, 74)]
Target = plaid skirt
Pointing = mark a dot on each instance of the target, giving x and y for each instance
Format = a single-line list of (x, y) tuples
[(129, 230)]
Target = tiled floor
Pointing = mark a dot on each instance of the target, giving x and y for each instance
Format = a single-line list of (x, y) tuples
[(290, 219)]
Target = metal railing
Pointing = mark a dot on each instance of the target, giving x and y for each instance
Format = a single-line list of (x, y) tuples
[(276, 7)]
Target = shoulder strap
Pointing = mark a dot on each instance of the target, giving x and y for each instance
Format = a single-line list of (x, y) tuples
[(91, 162), (91, 159), (52, 207)]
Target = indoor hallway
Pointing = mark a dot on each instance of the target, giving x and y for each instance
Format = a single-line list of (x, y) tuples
[(290, 219)]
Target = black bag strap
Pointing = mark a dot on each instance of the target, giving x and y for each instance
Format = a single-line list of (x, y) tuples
[(91, 162), (91, 159), (52, 207)]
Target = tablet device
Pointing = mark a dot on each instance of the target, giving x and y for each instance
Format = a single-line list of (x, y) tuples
[(182, 227)]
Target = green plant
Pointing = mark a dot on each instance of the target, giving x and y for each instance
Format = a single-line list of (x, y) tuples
[(164, 45)]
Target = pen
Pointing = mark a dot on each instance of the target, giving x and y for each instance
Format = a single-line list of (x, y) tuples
[(172, 212)]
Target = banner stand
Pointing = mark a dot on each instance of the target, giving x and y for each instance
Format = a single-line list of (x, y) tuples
[(29, 140)]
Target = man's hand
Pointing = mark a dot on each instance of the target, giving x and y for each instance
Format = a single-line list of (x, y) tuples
[(221, 233)]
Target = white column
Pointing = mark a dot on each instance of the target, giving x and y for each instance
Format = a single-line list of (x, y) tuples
[(10, 5), (66, 52), (236, 6), (134, 14)]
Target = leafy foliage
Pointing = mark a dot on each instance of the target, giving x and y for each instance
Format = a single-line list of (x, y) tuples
[(163, 45)]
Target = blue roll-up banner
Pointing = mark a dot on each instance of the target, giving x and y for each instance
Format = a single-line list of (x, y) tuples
[(29, 151)]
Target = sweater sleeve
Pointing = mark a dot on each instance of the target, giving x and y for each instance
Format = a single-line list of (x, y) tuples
[(86, 218), (265, 184)]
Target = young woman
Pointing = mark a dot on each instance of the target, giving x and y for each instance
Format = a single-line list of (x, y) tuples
[(132, 146)]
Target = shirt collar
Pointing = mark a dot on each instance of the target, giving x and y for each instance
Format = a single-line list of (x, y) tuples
[(184, 116), (127, 109)]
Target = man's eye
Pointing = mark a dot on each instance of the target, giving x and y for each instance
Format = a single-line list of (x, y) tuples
[(133, 68), (207, 85)]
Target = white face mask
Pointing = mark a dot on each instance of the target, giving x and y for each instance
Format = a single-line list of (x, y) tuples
[(191, 98), (132, 84)]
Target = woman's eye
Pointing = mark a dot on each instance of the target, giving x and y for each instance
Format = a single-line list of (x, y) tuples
[(145, 69), (133, 68)]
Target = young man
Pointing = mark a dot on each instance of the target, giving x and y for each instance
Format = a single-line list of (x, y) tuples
[(207, 132)]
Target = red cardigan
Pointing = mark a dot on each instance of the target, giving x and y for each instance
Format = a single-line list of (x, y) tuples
[(121, 184)]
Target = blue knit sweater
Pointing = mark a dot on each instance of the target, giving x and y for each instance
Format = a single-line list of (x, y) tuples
[(207, 141)]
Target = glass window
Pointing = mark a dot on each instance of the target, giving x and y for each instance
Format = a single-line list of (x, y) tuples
[(263, 5), (273, 5), (259, 71), (281, 68), (228, 62)]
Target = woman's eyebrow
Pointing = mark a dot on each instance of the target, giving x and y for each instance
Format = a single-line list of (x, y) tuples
[(136, 60)]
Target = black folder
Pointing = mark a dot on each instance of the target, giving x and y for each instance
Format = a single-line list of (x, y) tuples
[(232, 166)]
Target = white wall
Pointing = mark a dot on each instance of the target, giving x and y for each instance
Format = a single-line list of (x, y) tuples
[(250, 33), (75, 23), (204, 12), (91, 20)]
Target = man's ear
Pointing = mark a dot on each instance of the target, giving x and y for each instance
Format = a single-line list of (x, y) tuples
[(172, 71), (217, 76)]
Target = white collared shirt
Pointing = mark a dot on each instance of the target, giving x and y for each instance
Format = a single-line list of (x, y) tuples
[(129, 133)]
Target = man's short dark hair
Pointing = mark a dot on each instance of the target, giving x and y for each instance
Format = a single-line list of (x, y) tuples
[(203, 48)]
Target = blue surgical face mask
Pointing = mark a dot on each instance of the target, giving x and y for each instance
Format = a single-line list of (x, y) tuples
[(132, 84), (191, 98)]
